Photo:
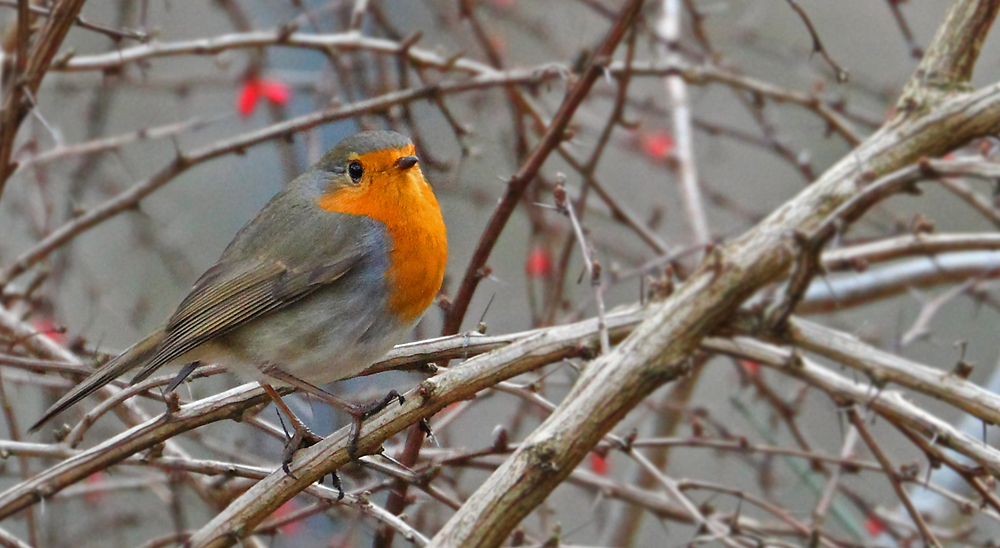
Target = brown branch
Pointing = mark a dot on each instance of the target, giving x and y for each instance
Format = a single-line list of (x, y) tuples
[(904, 28), (129, 412), (23, 37), (557, 283), (115, 34), (113, 143), (554, 135), (123, 446), (976, 200), (397, 500), (455, 384), (653, 503), (513, 355), (23, 463), (24, 85), (367, 72), (702, 74), (974, 476)]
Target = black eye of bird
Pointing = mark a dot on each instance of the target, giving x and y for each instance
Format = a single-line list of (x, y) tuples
[(355, 171)]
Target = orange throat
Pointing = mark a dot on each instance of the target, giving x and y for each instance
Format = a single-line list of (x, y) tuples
[(403, 201)]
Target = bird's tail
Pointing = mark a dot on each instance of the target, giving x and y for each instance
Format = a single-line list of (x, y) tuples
[(136, 355)]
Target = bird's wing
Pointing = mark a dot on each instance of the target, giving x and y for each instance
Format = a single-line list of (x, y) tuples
[(228, 295), (223, 298)]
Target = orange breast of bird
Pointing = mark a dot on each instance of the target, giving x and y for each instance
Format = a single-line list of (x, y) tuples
[(403, 201)]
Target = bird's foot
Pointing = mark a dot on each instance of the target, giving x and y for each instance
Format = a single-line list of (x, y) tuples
[(302, 438), (360, 412)]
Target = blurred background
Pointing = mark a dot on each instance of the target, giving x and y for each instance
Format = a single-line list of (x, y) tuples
[(119, 106)]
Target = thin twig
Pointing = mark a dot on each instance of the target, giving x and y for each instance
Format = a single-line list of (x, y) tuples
[(876, 449), (718, 531), (976, 200), (823, 504), (565, 205), (668, 27), (904, 28), (817, 45), (928, 309)]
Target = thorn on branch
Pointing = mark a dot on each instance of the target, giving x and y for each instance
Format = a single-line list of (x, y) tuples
[(921, 225), (173, 401), (500, 439), (449, 63), (286, 30), (559, 195), (662, 286), (817, 46), (426, 390), (409, 42), (629, 440), (909, 471), (483, 272), (60, 62), (962, 368)]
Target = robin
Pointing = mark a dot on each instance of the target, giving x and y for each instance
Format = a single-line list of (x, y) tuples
[(336, 269)]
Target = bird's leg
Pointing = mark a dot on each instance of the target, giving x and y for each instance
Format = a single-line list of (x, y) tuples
[(303, 436), (358, 412)]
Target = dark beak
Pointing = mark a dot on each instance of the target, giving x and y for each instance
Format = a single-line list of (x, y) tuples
[(406, 162)]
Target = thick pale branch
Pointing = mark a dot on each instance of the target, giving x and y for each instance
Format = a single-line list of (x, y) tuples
[(610, 386), (848, 258), (844, 291), (889, 403), (951, 56), (882, 367), (656, 351)]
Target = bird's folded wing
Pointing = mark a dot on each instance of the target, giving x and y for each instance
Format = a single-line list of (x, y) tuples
[(229, 295)]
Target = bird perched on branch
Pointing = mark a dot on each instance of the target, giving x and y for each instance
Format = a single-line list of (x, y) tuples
[(336, 269)]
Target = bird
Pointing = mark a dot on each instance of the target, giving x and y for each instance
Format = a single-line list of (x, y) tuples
[(337, 268)]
